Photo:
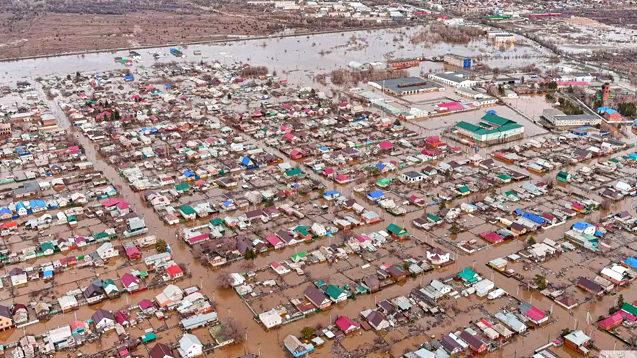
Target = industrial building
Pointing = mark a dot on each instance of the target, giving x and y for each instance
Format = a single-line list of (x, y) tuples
[(557, 118), (458, 61), (404, 86), (455, 79), (490, 130)]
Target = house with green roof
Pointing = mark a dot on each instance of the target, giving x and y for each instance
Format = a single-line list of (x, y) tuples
[(182, 187), (383, 182), (397, 232), (303, 232), (434, 218), (490, 130), (299, 256), (504, 177), (563, 177), (293, 172), (468, 276), (463, 190), (187, 212), (627, 307), (335, 293)]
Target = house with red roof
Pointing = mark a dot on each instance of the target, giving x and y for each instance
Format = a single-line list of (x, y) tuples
[(346, 325), (533, 313), (450, 107), (121, 317), (385, 145), (609, 323), (296, 154), (146, 306), (275, 241), (174, 271), (342, 179), (132, 252), (492, 237), (130, 282)]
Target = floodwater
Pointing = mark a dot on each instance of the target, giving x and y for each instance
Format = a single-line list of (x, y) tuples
[(301, 57)]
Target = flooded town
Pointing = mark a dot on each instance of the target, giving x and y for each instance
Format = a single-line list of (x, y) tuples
[(344, 179)]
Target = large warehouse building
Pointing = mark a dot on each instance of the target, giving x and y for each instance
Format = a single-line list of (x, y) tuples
[(491, 129)]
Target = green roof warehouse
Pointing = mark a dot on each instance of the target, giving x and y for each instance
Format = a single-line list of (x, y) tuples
[(490, 130)]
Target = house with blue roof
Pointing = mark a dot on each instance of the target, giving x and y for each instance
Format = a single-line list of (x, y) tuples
[(5, 213), (331, 194), (584, 228), (631, 262), (37, 205), (535, 218), (376, 195), (248, 163), (21, 209)]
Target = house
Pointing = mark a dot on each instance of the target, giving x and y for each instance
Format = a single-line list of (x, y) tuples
[(106, 251), (132, 252), (533, 313), (188, 212), (271, 318), (110, 288), (18, 276), (475, 343), (94, 292), (577, 341), (317, 297), (346, 325), (451, 345), (190, 346), (131, 283), (377, 320), (161, 350), (397, 232), (611, 322), (170, 296), (296, 347), (412, 177), (6, 318), (174, 271), (103, 320), (371, 282), (67, 302), (438, 257), (60, 337), (335, 293), (197, 321)]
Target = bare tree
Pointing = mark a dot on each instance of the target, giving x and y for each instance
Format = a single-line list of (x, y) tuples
[(231, 329), (225, 280)]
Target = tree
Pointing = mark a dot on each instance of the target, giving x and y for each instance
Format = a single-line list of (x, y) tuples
[(230, 329), (628, 109), (552, 86), (307, 333), (564, 332), (540, 282), (530, 240), (161, 246), (620, 301), (225, 280)]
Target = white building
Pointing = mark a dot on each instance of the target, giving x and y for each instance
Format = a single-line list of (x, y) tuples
[(557, 118), (190, 346), (454, 79)]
